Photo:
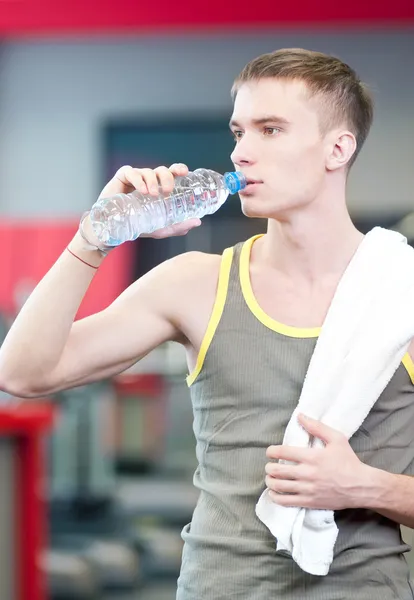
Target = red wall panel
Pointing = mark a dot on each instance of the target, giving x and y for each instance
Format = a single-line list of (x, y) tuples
[(21, 17), (28, 250)]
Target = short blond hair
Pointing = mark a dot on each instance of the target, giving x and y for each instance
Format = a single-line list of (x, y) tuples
[(344, 97)]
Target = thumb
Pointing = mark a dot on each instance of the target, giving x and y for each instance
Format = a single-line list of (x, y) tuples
[(319, 430)]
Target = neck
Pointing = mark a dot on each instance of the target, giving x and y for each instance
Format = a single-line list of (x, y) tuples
[(313, 243)]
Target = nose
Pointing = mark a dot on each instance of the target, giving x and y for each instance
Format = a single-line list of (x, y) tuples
[(241, 155)]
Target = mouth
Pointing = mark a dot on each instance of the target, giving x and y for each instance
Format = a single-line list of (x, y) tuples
[(251, 184)]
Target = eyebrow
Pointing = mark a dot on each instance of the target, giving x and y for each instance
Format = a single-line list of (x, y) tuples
[(262, 121)]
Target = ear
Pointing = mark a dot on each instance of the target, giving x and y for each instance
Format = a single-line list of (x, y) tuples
[(342, 147)]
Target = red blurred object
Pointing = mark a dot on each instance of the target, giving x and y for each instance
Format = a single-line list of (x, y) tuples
[(151, 385), (22, 17), (28, 250), (25, 423)]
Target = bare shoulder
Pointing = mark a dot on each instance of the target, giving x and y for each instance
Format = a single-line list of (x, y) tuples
[(195, 266), (190, 283), (178, 287), (193, 278), (177, 297), (188, 269)]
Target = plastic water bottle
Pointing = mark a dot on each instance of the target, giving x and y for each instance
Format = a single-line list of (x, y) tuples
[(124, 217)]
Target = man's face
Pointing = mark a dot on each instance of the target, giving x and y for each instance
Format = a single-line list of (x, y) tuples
[(279, 145)]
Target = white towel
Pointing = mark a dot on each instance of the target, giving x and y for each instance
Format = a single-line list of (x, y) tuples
[(366, 333)]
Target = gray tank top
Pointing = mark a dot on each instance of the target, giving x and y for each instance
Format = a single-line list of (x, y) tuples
[(244, 388)]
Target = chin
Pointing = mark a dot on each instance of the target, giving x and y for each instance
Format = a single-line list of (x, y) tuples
[(254, 208), (253, 214)]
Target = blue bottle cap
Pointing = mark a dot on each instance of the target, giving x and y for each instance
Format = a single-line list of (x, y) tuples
[(235, 181)]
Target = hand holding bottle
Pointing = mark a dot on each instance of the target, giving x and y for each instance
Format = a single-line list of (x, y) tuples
[(146, 181), (158, 203)]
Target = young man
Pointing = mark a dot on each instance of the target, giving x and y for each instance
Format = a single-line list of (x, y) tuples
[(249, 322)]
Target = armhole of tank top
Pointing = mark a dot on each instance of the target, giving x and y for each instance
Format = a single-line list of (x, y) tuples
[(221, 295), (408, 363)]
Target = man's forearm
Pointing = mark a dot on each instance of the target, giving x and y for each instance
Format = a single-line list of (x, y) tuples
[(390, 495), (37, 337)]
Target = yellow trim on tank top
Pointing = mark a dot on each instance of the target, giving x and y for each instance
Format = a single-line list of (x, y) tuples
[(288, 330), (408, 363), (252, 303), (256, 309), (221, 295)]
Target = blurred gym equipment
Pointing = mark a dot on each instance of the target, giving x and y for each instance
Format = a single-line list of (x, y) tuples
[(85, 522)]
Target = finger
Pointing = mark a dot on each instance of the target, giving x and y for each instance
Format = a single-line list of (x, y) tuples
[(179, 169), (282, 471), (129, 176), (175, 230), (290, 453), (297, 500), (119, 182), (151, 181), (320, 430), (165, 179), (283, 486)]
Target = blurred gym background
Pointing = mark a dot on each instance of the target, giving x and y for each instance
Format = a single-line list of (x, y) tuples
[(96, 482)]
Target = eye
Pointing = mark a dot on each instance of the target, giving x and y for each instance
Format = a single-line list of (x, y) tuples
[(237, 134), (271, 131)]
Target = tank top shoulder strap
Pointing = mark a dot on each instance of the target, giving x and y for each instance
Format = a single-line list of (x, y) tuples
[(219, 303), (239, 272)]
